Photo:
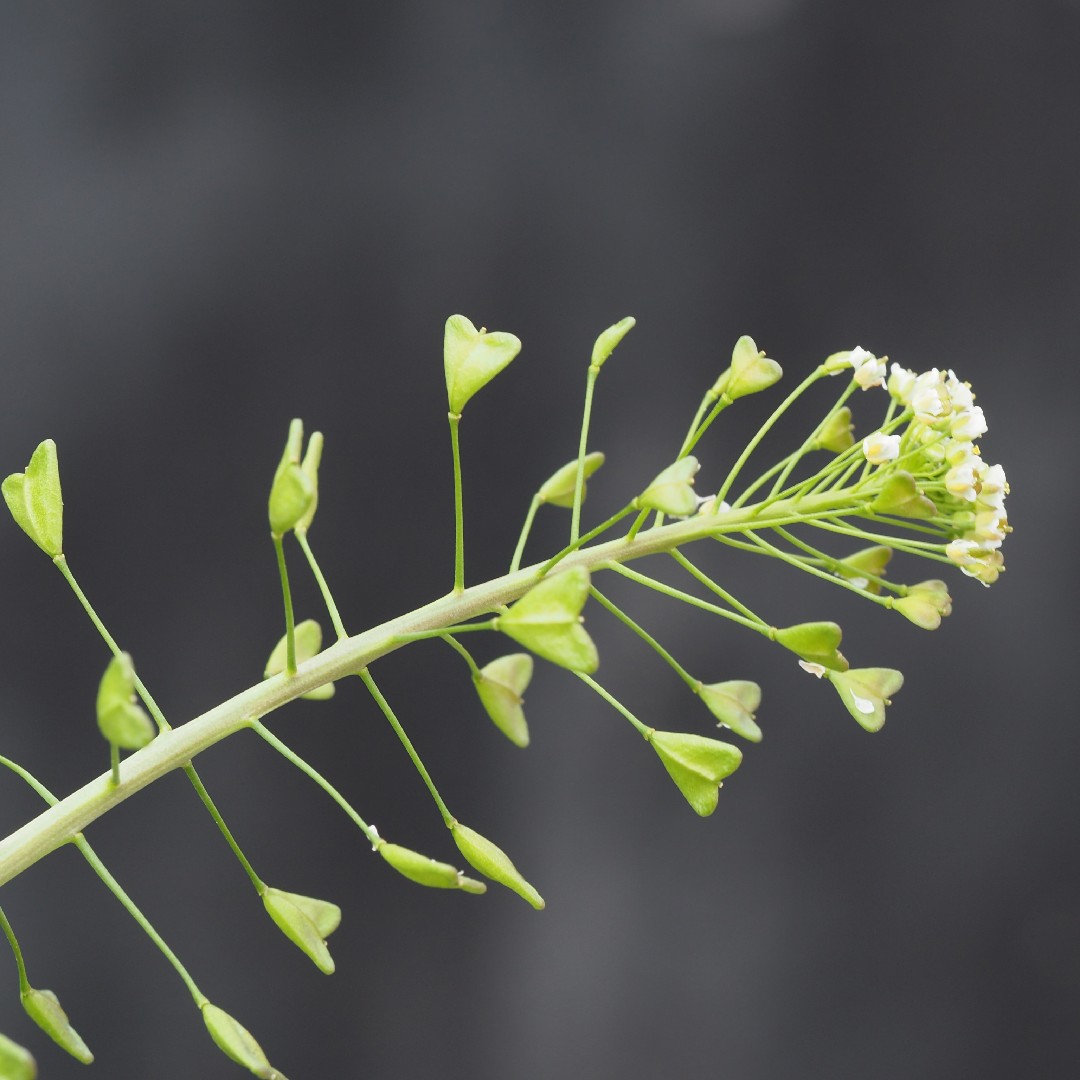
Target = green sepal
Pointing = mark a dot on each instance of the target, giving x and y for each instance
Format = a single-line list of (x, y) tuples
[(925, 604), (35, 501), (558, 489), (16, 1062), (838, 432), (236, 1042), (750, 372), (472, 358), (815, 642), (697, 765), (292, 492), (866, 691), (547, 621), (500, 686), (491, 861), (672, 491), (310, 468), (606, 343), (43, 1008), (900, 496), (293, 916), (307, 636), (865, 564), (734, 703), (425, 871), (123, 722)]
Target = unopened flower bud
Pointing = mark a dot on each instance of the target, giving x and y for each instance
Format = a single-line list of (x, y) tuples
[(697, 765), (123, 722), (880, 448), (35, 502), (44, 1009), (291, 493), (307, 636), (672, 492), (472, 358), (866, 691), (750, 372), (836, 433), (733, 703), (558, 489), (296, 917), (815, 642), (605, 344), (491, 861), (547, 621), (500, 686)]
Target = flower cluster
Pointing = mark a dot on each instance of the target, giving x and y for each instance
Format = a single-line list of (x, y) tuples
[(938, 447)]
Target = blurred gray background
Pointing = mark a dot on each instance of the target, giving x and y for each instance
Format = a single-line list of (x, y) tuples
[(214, 217)]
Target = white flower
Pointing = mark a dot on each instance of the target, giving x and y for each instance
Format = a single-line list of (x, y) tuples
[(869, 369), (928, 396), (968, 424), (960, 480), (991, 528), (901, 384), (960, 395), (814, 669), (880, 448)]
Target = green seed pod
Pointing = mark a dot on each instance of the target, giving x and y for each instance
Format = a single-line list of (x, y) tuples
[(733, 703), (672, 492), (750, 372), (606, 343), (697, 765), (864, 564), (123, 722), (900, 495), (837, 434), (297, 925), (310, 468), (925, 604), (308, 639), (500, 686), (16, 1062), (491, 861), (815, 642), (236, 1042), (43, 1008), (547, 621), (866, 691), (425, 871), (472, 358), (292, 492), (35, 502), (558, 489)]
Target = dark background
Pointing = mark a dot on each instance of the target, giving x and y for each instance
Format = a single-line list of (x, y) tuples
[(215, 217)]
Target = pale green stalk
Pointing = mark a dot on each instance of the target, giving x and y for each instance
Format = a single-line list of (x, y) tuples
[(286, 596), (13, 941), (643, 729), (708, 582), (328, 599), (645, 636), (459, 522), (579, 480), (515, 562)]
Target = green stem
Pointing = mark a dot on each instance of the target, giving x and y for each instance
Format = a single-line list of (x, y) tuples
[(384, 705), (579, 479), (286, 596), (328, 599), (582, 541), (717, 409), (645, 636), (687, 598), (114, 762), (203, 794), (459, 524), (809, 442), (13, 941), (515, 562), (464, 628), (462, 652), (765, 428), (313, 774), (712, 586), (643, 729)]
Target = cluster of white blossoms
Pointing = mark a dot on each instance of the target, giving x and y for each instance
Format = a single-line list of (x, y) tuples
[(944, 424)]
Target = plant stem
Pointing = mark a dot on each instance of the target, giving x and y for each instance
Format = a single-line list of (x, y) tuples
[(643, 729), (13, 941), (286, 596), (579, 480), (328, 599), (515, 562), (461, 651), (645, 636), (459, 525), (203, 794)]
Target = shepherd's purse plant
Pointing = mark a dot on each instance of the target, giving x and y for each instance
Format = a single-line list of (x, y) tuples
[(836, 506)]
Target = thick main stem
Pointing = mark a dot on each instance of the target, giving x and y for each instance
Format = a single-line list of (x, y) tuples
[(174, 748)]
